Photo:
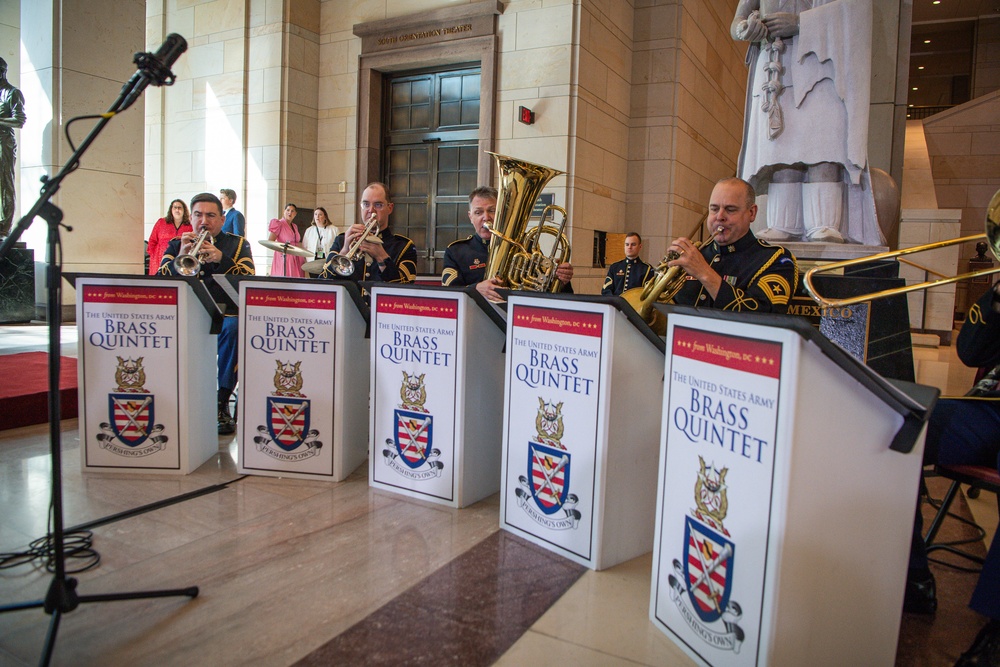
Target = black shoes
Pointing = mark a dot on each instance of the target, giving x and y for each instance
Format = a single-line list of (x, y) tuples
[(227, 425), (921, 594), (985, 650)]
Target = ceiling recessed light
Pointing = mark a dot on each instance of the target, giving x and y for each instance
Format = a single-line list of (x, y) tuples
[(927, 41), (914, 88), (911, 105), (936, 2), (920, 67)]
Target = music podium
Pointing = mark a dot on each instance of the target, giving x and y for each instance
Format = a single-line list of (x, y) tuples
[(147, 373), (788, 478), (303, 361), (584, 381), (437, 365)]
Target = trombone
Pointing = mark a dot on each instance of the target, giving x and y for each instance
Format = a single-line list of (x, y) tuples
[(991, 236)]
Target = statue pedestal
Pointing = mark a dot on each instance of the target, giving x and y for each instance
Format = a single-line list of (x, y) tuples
[(811, 253), (875, 332), (17, 286)]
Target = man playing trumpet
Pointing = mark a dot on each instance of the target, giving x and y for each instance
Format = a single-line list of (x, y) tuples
[(736, 271), (219, 253), (390, 258)]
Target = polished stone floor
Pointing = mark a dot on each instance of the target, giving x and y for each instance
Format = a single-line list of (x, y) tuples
[(308, 572)]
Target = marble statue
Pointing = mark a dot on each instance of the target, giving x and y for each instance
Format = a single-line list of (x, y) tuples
[(11, 116), (805, 131)]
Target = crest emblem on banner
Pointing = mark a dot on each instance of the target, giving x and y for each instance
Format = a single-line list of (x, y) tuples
[(410, 451), (707, 570), (287, 421), (131, 429), (288, 418), (702, 582), (549, 470), (413, 437), (131, 417), (544, 492)]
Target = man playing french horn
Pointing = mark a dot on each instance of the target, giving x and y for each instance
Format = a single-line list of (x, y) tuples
[(219, 253), (465, 260), (736, 271)]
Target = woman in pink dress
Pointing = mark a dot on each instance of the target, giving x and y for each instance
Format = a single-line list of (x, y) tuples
[(282, 230), (173, 224)]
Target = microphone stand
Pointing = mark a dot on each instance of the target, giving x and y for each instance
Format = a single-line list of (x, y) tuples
[(62, 597)]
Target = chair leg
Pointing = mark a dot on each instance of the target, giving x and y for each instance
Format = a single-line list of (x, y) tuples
[(935, 526)]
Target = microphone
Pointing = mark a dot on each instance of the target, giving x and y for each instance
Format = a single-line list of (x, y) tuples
[(156, 66)]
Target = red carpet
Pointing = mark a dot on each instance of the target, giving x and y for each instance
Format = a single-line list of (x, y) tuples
[(24, 389)]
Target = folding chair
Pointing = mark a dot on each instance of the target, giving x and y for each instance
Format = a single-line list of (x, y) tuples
[(980, 478)]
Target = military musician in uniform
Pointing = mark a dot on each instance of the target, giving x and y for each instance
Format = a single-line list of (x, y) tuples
[(465, 260), (736, 271), (629, 272), (966, 431), (219, 253), (394, 260)]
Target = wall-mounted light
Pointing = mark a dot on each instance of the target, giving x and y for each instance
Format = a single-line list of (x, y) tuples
[(927, 41), (914, 88), (920, 67)]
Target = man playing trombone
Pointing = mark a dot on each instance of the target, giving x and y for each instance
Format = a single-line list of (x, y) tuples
[(966, 431), (736, 271), (381, 256), (217, 253)]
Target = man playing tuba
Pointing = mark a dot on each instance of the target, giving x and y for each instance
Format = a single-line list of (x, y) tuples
[(465, 260)]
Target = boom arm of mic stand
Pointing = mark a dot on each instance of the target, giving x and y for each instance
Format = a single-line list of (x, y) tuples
[(146, 74)]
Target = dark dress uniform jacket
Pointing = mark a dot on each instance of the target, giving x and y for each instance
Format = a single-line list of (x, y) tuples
[(465, 262), (400, 266), (626, 274), (756, 277), (236, 259)]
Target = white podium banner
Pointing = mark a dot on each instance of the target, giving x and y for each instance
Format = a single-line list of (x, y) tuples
[(129, 353), (287, 363), (720, 423), (553, 383), (414, 353)]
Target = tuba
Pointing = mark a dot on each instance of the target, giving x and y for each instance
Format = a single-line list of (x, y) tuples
[(517, 255)]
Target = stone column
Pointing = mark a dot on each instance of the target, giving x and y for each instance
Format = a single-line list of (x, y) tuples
[(75, 58)]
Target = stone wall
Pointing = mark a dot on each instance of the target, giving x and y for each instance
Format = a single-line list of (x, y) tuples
[(964, 147)]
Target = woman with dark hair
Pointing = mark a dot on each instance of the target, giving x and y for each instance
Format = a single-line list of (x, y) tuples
[(319, 237), (173, 224), (283, 230)]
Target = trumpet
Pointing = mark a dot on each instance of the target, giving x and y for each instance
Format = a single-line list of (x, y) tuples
[(666, 285), (343, 265), (189, 264)]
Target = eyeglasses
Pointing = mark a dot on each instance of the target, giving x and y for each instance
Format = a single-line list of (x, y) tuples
[(378, 206)]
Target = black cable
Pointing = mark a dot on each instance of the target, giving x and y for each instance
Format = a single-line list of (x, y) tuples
[(78, 540), (980, 536)]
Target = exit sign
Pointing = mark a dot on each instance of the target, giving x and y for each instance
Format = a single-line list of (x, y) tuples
[(526, 115)]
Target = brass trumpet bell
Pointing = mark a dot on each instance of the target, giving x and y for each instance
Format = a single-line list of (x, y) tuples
[(991, 236)]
